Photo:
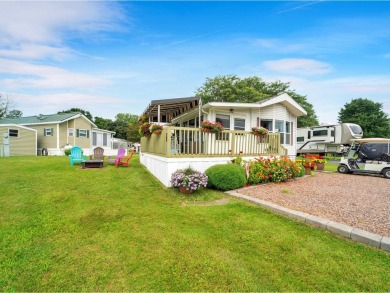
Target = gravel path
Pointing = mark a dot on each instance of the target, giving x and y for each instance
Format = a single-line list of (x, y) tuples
[(355, 200)]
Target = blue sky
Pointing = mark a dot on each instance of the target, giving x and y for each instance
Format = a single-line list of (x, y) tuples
[(115, 57)]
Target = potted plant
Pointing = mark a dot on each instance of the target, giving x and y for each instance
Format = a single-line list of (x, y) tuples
[(211, 127), (156, 129), (144, 130), (188, 180), (309, 166), (259, 131), (320, 163)]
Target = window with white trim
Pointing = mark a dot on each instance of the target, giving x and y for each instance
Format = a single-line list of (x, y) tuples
[(239, 124), (224, 120), (104, 139), (288, 132), (83, 133), (279, 127), (70, 131), (48, 132), (267, 123)]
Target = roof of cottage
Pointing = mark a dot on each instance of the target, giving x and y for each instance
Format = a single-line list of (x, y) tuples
[(44, 119)]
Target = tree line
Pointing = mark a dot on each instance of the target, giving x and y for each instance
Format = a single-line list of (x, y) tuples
[(231, 88)]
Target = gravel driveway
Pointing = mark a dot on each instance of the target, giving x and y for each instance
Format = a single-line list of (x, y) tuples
[(355, 200)]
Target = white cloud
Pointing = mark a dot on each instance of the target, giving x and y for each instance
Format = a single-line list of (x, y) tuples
[(35, 51), (47, 21), (45, 77), (98, 105), (298, 66)]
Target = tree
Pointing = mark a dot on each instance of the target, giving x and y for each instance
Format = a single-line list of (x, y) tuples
[(122, 123), (103, 123), (4, 103), (14, 114), (369, 115), (84, 112), (231, 88)]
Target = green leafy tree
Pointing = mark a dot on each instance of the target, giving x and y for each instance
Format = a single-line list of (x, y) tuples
[(4, 103), (84, 112), (122, 123), (103, 123), (369, 115), (14, 114), (231, 88)]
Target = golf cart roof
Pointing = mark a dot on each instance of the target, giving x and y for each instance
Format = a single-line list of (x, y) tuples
[(368, 140)]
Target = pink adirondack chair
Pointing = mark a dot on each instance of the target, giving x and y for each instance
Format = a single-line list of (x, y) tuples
[(124, 160), (118, 157)]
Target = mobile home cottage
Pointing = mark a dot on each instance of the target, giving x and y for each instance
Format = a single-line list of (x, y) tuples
[(57, 131), (182, 144)]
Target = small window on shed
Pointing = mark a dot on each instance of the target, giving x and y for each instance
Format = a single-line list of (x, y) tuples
[(300, 138), (13, 132)]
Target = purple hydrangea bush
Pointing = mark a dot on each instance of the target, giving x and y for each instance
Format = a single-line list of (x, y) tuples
[(191, 179)]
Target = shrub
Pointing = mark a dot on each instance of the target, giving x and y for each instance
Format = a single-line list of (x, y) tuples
[(226, 177), (67, 152), (274, 170)]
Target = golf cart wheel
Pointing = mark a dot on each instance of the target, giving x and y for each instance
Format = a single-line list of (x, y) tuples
[(386, 173), (343, 169)]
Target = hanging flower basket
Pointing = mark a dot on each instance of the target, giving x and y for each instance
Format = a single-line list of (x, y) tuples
[(211, 127), (259, 131), (156, 129), (144, 130)]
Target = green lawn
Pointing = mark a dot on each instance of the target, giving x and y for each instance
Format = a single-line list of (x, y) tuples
[(118, 229)]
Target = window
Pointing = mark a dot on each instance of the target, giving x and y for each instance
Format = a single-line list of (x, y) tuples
[(224, 120), (279, 127), (266, 123), (300, 139), (48, 132), (320, 132), (70, 131), (105, 139), (288, 133), (82, 133), (94, 138), (239, 124), (13, 132)]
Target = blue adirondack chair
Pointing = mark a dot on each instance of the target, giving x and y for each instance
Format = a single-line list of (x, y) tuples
[(76, 155)]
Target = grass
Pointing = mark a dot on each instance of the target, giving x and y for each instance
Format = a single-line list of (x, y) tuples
[(118, 229)]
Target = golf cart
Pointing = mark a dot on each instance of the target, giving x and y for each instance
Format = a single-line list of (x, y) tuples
[(367, 156)]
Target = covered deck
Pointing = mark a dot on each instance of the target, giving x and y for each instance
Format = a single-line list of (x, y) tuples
[(182, 147), (182, 142)]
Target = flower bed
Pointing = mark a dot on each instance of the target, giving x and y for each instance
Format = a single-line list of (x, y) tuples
[(273, 170)]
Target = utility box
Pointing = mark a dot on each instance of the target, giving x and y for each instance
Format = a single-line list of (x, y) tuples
[(5, 145)]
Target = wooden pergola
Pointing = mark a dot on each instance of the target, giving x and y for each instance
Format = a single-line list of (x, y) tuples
[(166, 110)]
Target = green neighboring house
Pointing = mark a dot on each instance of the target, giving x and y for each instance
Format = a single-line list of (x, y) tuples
[(54, 133)]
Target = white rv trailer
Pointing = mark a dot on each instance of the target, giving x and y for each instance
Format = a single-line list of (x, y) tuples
[(327, 139)]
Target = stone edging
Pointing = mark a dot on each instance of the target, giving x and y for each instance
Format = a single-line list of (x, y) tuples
[(381, 242)]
